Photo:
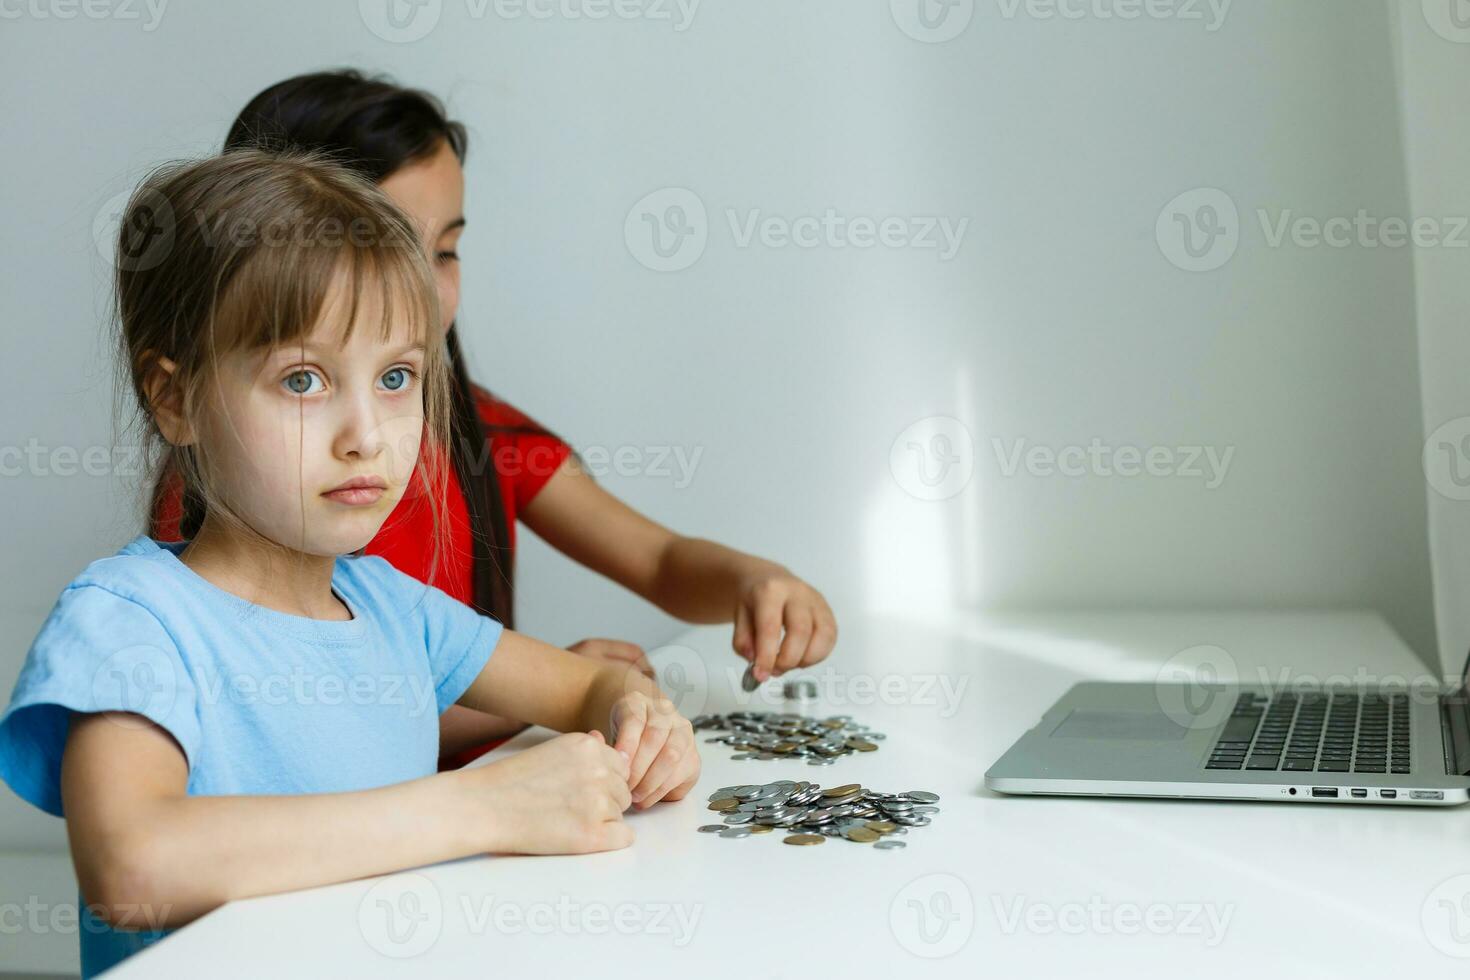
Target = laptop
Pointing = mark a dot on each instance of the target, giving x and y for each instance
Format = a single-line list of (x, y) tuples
[(1394, 746)]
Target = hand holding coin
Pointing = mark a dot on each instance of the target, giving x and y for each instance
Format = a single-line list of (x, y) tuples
[(781, 623)]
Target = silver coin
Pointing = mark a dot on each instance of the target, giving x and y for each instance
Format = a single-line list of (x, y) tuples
[(712, 828), (748, 683), (922, 796), (888, 845), (737, 818), (735, 832), (803, 690)]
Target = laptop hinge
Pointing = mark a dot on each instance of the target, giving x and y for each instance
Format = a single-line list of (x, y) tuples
[(1456, 724)]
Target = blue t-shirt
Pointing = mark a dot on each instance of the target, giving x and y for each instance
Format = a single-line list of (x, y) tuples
[(261, 702)]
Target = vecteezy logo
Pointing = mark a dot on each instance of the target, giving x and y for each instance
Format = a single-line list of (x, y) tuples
[(1447, 459), (146, 237), (933, 916), (1445, 917), (1199, 230), (683, 676), (401, 916), (667, 230), (1191, 686), (934, 458), (1450, 19), (138, 680), (400, 21), (932, 21)]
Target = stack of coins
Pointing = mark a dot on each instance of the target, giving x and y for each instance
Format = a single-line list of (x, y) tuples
[(810, 814), (769, 735)]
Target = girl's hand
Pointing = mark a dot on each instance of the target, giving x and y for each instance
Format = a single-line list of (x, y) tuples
[(770, 600), (616, 651), (565, 796), (660, 743)]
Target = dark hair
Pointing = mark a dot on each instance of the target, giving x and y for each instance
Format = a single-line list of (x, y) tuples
[(374, 127)]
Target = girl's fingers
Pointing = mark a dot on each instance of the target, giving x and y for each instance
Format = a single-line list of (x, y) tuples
[(646, 792), (649, 748), (767, 636), (677, 779), (824, 638), (630, 732), (668, 766), (628, 653), (798, 635), (743, 630), (615, 835), (682, 790), (620, 797)]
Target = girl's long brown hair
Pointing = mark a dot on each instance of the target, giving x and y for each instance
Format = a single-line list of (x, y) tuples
[(240, 253)]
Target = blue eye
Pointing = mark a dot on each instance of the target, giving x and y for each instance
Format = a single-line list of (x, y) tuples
[(303, 382), (397, 379)]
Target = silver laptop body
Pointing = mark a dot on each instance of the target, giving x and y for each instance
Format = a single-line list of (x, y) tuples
[(1245, 742)]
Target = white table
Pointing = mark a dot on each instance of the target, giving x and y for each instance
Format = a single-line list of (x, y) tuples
[(1027, 887)]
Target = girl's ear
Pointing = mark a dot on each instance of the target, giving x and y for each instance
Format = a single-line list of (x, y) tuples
[(166, 401)]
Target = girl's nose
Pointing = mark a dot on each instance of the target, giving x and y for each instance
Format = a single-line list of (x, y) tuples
[(361, 431)]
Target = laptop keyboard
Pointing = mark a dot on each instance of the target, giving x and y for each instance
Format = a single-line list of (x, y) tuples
[(1316, 733)]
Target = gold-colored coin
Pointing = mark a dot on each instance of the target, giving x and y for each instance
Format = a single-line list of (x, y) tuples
[(803, 840), (882, 826), (759, 828), (784, 747), (860, 745), (841, 790), (724, 803), (862, 835)]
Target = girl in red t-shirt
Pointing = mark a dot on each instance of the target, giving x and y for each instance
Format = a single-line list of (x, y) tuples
[(401, 139)]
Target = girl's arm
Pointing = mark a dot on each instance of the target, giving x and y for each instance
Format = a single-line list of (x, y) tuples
[(149, 856), (545, 685), (696, 580)]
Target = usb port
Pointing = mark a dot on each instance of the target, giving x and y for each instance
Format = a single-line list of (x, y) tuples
[(1327, 791), (1359, 792), (1389, 794), (1426, 794)]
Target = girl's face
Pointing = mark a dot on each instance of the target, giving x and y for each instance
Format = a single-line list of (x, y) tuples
[(431, 192), (291, 426)]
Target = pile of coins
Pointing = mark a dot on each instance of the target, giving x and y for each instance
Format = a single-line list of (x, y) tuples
[(810, 814), (769, 735)]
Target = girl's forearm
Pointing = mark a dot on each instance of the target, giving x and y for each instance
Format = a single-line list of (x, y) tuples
[(699, 581), (191, 854), (613, 682), (461, 728)]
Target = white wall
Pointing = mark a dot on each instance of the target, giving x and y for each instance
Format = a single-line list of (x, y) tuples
[(793, 371), (1434, 67)]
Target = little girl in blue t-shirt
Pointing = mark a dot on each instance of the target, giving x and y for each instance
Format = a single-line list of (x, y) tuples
[(254, 710)]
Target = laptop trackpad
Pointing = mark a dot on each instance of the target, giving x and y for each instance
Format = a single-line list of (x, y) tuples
[(1138, 726)]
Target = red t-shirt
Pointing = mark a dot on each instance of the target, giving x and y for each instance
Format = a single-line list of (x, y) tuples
[(523, 461)]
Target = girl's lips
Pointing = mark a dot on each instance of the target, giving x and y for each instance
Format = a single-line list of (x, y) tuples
[(355, 496)]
